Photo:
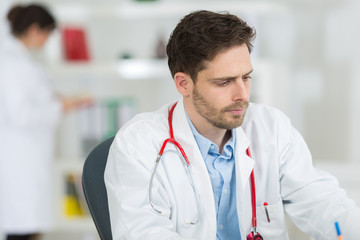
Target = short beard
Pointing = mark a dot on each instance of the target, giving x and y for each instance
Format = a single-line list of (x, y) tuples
[(216, 117)]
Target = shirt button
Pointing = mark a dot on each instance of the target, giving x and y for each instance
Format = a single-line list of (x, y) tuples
[(221, 227), (212, 147), (226, 190)]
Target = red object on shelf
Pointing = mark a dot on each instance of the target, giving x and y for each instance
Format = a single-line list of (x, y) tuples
[(74, 44)]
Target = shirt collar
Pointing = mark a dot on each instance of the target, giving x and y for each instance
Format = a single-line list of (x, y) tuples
[(205, 145)]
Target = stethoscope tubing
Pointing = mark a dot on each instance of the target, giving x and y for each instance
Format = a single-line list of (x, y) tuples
[(191, 180), (150, 185), (253, 194)]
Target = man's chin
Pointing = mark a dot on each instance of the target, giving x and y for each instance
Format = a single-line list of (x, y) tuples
[(229, 125)]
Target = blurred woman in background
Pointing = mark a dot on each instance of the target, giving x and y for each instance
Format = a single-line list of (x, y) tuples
[(29, 113)]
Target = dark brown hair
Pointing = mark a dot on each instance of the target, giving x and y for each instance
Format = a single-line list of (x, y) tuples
[(200, 36), (22, 17)]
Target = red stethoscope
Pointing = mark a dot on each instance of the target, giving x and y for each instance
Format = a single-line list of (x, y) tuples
[(253, 235)]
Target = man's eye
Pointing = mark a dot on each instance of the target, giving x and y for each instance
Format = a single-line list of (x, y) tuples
[(246, 78), (223, 83)]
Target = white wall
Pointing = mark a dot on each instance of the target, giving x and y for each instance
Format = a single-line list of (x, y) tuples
[(319, 41)]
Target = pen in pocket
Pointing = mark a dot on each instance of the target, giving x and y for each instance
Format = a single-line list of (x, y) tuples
[(338, 231), (266, 211)]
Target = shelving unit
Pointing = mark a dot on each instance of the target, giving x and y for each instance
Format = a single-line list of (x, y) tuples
[(124, 70)]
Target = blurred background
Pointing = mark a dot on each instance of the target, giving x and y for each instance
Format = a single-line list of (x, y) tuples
[(306, 62)]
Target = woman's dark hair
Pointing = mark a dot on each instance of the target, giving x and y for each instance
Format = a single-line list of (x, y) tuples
[(200, 36), (22, 17)]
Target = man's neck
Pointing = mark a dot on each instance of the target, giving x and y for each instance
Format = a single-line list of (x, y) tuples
[(217, 135)]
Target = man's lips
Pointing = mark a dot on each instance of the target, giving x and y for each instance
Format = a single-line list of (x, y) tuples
[(236, 111)]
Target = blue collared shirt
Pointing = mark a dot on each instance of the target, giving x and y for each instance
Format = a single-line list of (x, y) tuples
[(221, 169)]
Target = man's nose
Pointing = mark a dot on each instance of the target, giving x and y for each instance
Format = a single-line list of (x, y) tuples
[(241, 91)]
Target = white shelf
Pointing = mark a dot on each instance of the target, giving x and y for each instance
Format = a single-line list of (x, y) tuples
[(81, 68), (129, 69), (143, 69), (84, 224), (134, 69), (131, 10)]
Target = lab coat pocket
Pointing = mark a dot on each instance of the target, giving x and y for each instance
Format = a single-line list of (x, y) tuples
[(271, 225)]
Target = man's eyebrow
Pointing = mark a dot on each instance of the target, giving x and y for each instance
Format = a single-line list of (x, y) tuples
[(229, 77), (249, 72)]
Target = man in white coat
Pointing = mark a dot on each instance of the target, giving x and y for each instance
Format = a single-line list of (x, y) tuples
[(229, 142)]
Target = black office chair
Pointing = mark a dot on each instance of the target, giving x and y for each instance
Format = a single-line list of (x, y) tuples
[(95, 190)]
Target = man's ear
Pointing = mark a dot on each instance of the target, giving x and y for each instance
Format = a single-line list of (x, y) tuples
[(183, 83)]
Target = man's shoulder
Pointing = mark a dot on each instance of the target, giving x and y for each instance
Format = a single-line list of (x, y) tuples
[(144, 131)]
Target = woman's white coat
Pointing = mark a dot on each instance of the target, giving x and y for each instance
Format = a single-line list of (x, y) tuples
[(29, 112)]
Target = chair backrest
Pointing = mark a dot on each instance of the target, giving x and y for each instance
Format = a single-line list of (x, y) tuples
[(95, 190)]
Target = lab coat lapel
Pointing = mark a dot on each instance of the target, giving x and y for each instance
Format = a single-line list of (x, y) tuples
[(184, 136), (243, 167)]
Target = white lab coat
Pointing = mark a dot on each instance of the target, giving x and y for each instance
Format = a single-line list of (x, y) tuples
[(29, 112), (284, 175)]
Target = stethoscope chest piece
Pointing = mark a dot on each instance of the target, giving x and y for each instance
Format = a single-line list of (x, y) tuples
[(251, 236)]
